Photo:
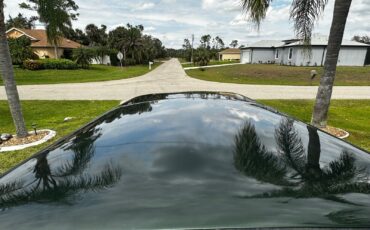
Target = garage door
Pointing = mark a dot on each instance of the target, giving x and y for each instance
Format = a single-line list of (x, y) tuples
[(246, 56)]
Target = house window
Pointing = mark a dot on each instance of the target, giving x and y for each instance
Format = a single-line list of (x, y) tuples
[(290, 53), (277, 54)]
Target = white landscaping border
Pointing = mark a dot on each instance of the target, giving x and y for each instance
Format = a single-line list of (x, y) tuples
[(50, 135), (211, 66), (346, 135)]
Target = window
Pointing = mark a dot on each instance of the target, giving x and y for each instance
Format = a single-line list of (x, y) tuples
[(290, 53), (277, 54)]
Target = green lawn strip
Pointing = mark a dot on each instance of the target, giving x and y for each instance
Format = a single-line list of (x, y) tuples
[(50, 115), (211, 63), (280, 75), (350, 115), (94, 74)]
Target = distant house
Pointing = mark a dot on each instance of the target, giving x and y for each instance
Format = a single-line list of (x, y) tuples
[(292, 52), (40, 45), (229, 54)]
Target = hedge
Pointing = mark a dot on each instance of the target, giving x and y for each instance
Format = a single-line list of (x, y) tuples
[(49, 64)]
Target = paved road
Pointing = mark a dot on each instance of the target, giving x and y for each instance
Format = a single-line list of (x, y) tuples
[(170, 77)]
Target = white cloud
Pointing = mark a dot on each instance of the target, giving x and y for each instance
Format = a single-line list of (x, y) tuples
[(222, 5), (149, 29), (145, 6), (173, 20)]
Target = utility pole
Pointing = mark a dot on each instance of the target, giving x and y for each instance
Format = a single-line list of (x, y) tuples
[(192, 48)]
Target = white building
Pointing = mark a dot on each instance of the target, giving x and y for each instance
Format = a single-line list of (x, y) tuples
[(292, 52)]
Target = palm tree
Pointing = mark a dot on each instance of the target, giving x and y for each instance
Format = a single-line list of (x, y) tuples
[(321, 108), (56, 15), (304, 13), (8, 79), (57, 184), (300, 175)]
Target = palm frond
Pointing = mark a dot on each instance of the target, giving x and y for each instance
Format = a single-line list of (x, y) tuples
[(9, 187), (356, 187), (252, 158), (290, 146), (65, 188), (342, 170), (256, 10), (304, 14), (84, 149)]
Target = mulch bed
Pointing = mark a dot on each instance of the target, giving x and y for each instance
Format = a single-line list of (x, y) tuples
[(335, 131), (26, 140)]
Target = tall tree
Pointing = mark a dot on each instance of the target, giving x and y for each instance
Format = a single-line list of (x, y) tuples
[(77, 35), (321, 108), (97, 36), (187, 48), (304, 14), (205, 41), (7, 74), (57, 15), (219, 43), (135, 46), (20, 22), (234, 43)]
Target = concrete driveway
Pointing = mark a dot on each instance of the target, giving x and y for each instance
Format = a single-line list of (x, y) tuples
[(170, 77)]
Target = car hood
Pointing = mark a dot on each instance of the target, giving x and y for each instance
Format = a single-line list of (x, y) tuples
[(190, 161)]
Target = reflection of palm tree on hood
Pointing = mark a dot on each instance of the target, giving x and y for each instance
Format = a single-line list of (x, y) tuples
[(138, 108), (301, 176), (60, 183)]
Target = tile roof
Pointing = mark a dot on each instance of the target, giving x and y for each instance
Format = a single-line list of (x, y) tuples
[(39, 39)]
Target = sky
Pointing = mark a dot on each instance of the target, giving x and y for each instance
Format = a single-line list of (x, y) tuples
[(173, 20)]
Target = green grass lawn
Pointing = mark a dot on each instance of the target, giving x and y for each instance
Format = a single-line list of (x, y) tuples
[(350, 115), (213, 62), (95, 73), (49, 114), (280, 75), (353, 116)]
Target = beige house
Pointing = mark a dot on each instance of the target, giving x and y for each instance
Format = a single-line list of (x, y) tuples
[(229, 54), (40, 44)]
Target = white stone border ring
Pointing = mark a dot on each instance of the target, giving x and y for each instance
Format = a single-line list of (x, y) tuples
[(50, 135)]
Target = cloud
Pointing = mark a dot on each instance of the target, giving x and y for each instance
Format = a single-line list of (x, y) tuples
[(149, 29), (174, 20), (145, 6), (222, 5)]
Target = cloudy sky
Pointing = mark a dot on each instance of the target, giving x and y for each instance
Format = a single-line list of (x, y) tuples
[(173, 20)]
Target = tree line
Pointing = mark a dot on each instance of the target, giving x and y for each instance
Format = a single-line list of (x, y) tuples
[(137, 47), (208, 48)]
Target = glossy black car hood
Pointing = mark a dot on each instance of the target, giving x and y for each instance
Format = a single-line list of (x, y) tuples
[(192, 160)]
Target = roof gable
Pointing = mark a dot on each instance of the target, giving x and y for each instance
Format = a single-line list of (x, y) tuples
[(39, 38)]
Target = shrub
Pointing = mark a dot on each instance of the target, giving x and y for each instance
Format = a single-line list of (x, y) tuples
[(129, 61), (83, 56), (58, 64), (32, 65), (100, 52), (114, 60), (20, 50), (202, 58), (49, 64)]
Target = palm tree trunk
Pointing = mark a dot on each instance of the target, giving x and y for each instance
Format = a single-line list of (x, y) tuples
[(321, 108), (8, 79), (55, 51)]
